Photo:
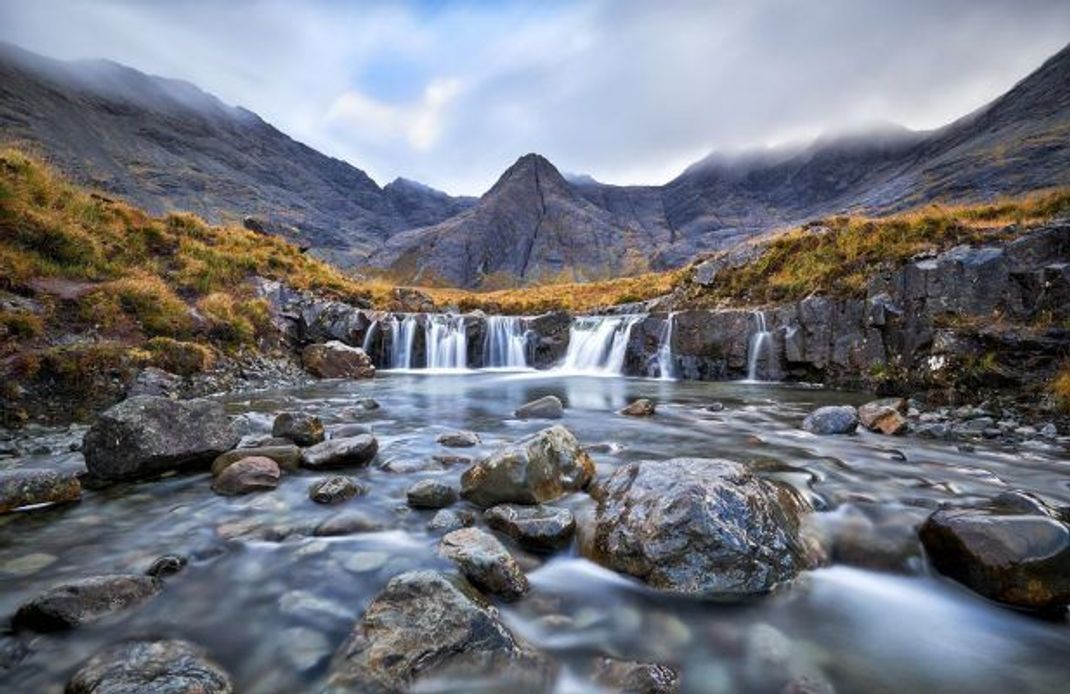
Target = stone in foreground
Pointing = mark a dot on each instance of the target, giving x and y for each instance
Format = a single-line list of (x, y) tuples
[(146, 436), (334, 490), (640, 408), (834, 419), (538, 468), (336, 453), (485, 562), (336, 359), (635, 678), (548, 407), (170, 667), (539, 528), (288, 457), (84, 601), (430, 494), (252, 474), (421, 624), (700, 526), (448, 520), (300, 427), (23, 487), (1021, 560)]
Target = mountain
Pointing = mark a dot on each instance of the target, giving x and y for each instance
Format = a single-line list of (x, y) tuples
[(166, 145)]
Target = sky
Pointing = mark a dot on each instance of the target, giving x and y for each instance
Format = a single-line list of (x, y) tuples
[(452, 93)]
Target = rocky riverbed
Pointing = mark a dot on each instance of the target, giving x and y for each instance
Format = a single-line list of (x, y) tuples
[(429, 532)]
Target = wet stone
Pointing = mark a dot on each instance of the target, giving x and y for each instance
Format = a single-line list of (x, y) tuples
[(347, 523), (540, 528), (640, 408), (485, 562), (448, 520), (458, 439), (300, 427), (166, 565), (72, 604), (635, 678), (144, 666), (248, 475), (335, 453), (549, 407), (22, 487), (430, 494), (834, 419), (334, 490), (287, 457)]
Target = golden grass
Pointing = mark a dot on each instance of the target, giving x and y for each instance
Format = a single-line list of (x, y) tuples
[(1060, 388)]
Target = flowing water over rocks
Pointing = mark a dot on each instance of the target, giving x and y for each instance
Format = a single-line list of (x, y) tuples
[(282, 593)]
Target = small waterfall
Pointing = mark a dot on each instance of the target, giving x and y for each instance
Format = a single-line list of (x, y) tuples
[(759, 340), (504, 343), (403, 333), (447, 342), (369, 337), (598, 343), (665, 365)]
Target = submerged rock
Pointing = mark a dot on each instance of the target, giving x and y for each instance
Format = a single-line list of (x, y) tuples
[(145, 436), (448, 520), (540, 528), (834, 419), (884, 415), (288, 457), (300, 427), (700, 526), (335, 453), (22, 487), (485, 562), (630, 677), (80, 602), (252, 474), (167, 565), (334, 490), (421, 624), (347, 523), (170, 667), (458, 439), (640, 408), (336, 359), (548, 407), (538, 468), (430, 494)]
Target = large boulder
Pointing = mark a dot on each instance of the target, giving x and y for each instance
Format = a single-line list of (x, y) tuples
[(300, 427), (700, 526), (540, 528), (1016, 556), (336, 453), (168, 667), (336, 359), (146, 436), (253, 474), (834, 419), (80, 602), (421, 624), (538, 468), (30, 487), (548, 407), (485, 562)]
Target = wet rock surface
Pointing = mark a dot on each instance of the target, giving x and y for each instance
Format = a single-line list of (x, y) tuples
[(540, 528), (448, 520), (635, 678), (485, 562), (549, 407), (830, 420), (458, 439), (334, 490), (29, 487), (336, 359), (287, 456), (252, 474), (885, 416), (538, 468), (144, 666), (430, 494), (301, 428), (640, 408), (336, 453), (73, 604), (700, 526)]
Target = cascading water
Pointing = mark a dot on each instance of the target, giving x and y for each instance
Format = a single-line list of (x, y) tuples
[(369, 337), (403, 333), (665, 363), (504, 343), (598, 344), (759, 340), (447, 342)]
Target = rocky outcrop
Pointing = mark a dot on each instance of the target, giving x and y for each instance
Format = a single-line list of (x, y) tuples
[(538, 468), (158, 666), (84, 601), (23, 487), (700, 526), (485, 562), (145, 436), (336, 359)]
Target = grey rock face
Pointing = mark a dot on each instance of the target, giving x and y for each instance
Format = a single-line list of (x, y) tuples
[(548, 407), (252, 474), (834, 419), (485, 562), (83, 601), (430, 494), (538, 468), (145, 436), (21, 487), (539, 528), (699, 526), (288, 457), (301, 428), (421, 623), (334, 490), (335, 453), (158, 666)]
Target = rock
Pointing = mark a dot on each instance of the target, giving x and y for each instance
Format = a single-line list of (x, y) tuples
[(1049, 431), (69, 605), (145, 436), (20, 487), (458, 439), (252, 474), (715, 407), (345, 431), (884, 415), (700, 526), (1017, 559), (154, 381), (834, 419), (287, 457), (347, 523), (167, 565), (635, 678), (448, 520), (538, 468), (548, 407), (430, 494), (639, 408), (370, 404), (540, 528), (334, 490), (300, 427), (336, 359), (170, 667), (485, 562), (421, 623), (335, 453)]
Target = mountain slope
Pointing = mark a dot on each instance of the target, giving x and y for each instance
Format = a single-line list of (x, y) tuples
[(166, 145)]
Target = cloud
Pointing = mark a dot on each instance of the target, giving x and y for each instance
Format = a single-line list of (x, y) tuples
[(626, 90)]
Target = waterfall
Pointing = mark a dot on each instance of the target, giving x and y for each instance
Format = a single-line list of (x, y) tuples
[(504, 343), (759, 340), (447, 342), (403, 333), (369, 337), (665, 365), (598, 343)]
